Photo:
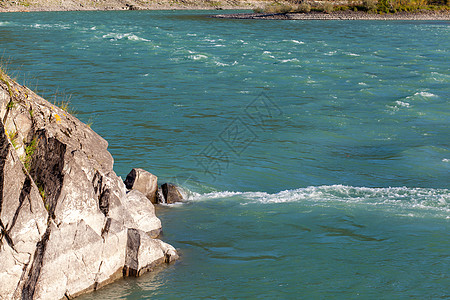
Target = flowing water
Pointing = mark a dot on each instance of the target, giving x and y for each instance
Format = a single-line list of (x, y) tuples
[(314, 154)]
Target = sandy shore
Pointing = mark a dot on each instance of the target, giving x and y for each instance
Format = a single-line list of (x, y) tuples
[(343, 15)]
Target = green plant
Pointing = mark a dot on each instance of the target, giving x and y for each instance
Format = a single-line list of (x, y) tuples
[(64, 105), (29, 151), (277, 8), (89, 123), (63, 101), (328, 7), (304, 8), (215, 3), (258, 10), (13, 138), (25, 3), (5, 80), (369, 5), (42, 192), (11, 104)]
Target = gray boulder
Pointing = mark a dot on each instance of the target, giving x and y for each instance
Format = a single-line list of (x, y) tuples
[(171, 193), (144, 182), (65, 216)]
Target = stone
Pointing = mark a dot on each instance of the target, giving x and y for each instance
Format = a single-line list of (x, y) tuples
[(141, 212), (171, 193), (144, 253), (66, 219), (143, 181)]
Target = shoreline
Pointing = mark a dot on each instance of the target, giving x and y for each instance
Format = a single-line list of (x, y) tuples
[(342, 15), (248, 5), (121, 5)]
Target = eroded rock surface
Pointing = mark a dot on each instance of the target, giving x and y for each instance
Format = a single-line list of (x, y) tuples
[(67, 224), (171, 193), (144, 182)]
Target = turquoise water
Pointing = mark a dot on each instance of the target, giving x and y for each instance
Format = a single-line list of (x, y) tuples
[(314, 154)]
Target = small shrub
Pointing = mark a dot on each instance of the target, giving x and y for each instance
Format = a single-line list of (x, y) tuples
[(258, 10), (12, 137), (277, 8), (383, 6), (64, 105), (304, 8), (29, 151), (10, 104), (43, 195), (341, 8), (328, 7), (5, 81), (369, 5)]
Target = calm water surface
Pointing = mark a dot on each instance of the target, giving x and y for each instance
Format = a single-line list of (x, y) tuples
[(314, 154)]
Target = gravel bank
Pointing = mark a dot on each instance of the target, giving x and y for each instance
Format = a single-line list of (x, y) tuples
[(342, 15)]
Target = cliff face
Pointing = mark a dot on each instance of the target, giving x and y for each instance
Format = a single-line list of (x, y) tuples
[(68, 224)]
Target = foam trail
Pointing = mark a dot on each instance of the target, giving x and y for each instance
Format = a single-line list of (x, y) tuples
[(401, 197)]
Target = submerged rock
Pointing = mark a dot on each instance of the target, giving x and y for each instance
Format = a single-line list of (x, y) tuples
[(171, 193), (144, 182), (67, 224)]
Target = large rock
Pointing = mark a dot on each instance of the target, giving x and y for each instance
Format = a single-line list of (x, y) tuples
[(171, 193), (65, 216), (144, 182)]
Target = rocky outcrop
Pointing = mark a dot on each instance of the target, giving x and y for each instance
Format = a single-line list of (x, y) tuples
[(147, 183), (67, 223), (144, 182)]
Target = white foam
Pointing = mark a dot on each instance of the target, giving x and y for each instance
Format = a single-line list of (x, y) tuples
[(331, 53), (425, 94), (401, 103), (289, 60), (120, 36), (62, 26), (198, 56), (398, 197), (218, 63)]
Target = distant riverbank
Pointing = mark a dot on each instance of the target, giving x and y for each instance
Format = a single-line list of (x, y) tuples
[(342, 15), (80, 5), (88, 5)]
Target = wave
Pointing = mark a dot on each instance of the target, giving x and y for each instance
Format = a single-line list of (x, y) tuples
[(425, 94), (289, 60), (403, 197), (198, 56), (295, 41), (120, 36), (45, 26)]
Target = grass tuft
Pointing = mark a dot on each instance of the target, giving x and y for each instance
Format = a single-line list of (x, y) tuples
[(29, 151), (13, 138)]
